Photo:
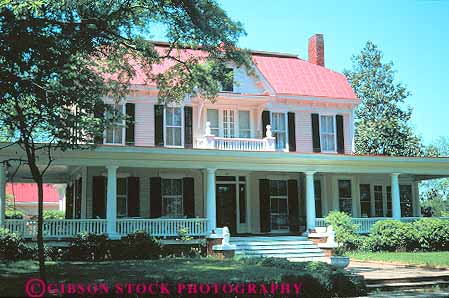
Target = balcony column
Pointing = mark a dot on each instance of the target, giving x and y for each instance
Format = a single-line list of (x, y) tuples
[(310, 201), (211, 201), (111, 205), (395, 196), (2, 194)]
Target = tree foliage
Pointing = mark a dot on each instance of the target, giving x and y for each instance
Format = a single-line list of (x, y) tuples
[(60, 58), (382, 119), (435, 192)]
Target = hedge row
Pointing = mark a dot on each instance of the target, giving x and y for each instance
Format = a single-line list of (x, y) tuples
[(91, 247), (426, 234)]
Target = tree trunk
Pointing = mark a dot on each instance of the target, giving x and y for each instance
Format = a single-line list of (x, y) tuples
[(40, 223)]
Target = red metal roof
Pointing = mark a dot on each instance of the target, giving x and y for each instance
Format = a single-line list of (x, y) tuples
[(27, 192), (293, 76), (287, 74)]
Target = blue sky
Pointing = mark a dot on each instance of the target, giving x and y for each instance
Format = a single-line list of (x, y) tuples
[(412, 34)]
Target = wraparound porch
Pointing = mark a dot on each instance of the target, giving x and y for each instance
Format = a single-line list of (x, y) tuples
[(264, 192)]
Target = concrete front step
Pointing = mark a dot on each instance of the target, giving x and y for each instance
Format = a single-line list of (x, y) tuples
[(291, 247), (268, 243), (279, 251), (291, 255), (407, 283), (278, 247)]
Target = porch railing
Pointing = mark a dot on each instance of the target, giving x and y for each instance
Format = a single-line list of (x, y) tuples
[(66, 228), (56, 228), (163, 227), (365, 224)]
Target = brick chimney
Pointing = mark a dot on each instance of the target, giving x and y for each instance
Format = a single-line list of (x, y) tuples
[(316, 49)]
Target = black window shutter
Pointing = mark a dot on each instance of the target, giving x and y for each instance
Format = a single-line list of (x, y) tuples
[(265, 122), (340, 135), (293, 206), (155, 197), (130, 120), (159, 125), (189, 196), (316, 133), (291, 132), (99, 113), (78, 198), (99, 196), (133, 197), (69, 202), (264, 198), (188, 127)]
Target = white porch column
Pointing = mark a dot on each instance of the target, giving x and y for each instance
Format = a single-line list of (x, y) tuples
[(211, 202), (395, 196), (111, 205), (310, 201), (2, 194)]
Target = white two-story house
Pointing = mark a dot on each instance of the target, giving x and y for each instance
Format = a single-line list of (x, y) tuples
[(273, 154)]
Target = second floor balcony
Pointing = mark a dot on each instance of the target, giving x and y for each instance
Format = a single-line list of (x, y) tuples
[(210, 141)]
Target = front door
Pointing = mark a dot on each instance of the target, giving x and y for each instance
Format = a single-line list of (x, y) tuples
[(279, 206), (226, 208)]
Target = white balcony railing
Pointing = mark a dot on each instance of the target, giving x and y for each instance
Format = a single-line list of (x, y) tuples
[(365, 224), (67, 228), (209, 141)]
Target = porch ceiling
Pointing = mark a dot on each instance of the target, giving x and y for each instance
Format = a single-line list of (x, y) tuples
[(152, 157)]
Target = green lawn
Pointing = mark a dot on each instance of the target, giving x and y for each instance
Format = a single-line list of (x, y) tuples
[(13, 275), (431, 259)]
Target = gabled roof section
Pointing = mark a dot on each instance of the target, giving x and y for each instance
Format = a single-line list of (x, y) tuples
[(285, 73), (290, 75)]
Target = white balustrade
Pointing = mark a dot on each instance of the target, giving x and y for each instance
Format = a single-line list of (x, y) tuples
[(66, 228), (365, 223), (209, 141), (161, 227)]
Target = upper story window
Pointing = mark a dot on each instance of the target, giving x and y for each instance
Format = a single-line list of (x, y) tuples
[(115, 133), (229, 123), (172, 193), (173, 127), (328, 133), (228, 84), (279, 129)]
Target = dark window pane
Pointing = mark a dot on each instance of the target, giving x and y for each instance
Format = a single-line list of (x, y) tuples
[(225, 178), (242, 203), (406, 200), (344, 188), (365, 200)]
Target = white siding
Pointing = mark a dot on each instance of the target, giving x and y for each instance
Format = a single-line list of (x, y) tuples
[(144, 125)]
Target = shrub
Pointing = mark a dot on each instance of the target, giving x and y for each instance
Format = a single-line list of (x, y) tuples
[(14, 214), (318, 279), (431, 234), (88, 247), (391, 235), (135, 246), (13, 247), (54, 214), (345, 230)]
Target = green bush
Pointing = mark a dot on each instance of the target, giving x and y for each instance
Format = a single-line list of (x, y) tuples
[(318, 279), (345, 230), (135, 246), (13, 247), (54, 214), (391, 235), (88, 247), (431, 234), (14, 214)]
